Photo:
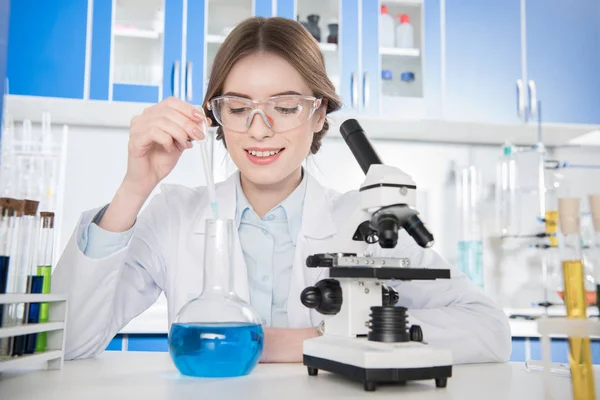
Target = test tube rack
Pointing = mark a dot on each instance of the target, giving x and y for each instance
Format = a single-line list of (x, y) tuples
[(53, 357), (562, 327)]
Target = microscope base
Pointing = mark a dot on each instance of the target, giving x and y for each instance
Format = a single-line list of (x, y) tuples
[(374, 362)]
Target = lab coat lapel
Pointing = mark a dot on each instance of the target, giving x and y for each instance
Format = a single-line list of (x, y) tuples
[(226, 199), (317, 225)]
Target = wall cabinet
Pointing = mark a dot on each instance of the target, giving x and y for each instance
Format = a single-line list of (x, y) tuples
[(469, 61), (505, 56)]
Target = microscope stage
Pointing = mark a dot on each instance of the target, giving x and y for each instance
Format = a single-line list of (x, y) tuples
[(374, 362)]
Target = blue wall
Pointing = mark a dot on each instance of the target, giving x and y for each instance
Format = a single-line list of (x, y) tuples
[(4, 11)]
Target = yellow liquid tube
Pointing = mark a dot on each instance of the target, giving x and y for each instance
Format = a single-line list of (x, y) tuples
[(580, 355), (551, 218)]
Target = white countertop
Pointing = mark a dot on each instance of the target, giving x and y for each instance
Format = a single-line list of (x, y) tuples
[(147, 376)]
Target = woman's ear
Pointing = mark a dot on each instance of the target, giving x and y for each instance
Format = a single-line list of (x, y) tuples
[(321, 114)]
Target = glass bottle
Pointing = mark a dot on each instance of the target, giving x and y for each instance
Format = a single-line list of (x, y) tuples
[(506, 193), (470, 241), (580, 356), (216, 334)]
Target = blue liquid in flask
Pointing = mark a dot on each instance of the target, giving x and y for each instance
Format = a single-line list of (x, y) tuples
[(215, 350)]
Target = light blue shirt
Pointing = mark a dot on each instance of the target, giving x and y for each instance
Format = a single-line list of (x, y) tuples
[(268, 245)]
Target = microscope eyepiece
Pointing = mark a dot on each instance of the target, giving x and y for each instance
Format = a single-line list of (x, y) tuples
[(418, 231), (357, 141)]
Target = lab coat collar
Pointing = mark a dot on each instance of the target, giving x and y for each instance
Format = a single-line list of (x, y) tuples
[(317, 221)]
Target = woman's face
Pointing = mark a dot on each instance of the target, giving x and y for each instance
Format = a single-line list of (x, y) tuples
[(257, 77)]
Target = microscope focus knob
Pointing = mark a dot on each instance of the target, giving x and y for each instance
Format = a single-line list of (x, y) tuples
[(325, 297), (311, 297), (416, 333)]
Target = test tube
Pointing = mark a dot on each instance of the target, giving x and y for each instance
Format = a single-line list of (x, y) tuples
[(470, 242), (580, 355), (27, 240), (44, 269), (15, 252), (7, 231), (12, 283)]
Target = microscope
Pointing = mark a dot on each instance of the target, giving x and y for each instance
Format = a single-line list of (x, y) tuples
[(366, 336)]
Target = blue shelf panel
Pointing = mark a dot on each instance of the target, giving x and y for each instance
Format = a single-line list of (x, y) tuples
[(135, 93), (560, 347), (518, 350), (116, 344), (286, 9), (263, 8), (47, 48), (148, 343)]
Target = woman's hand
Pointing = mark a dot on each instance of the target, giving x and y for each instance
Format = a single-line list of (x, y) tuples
[(285, 345), (157, 138)]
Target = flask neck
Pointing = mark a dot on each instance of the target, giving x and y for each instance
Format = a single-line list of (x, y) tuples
[(218, 268)]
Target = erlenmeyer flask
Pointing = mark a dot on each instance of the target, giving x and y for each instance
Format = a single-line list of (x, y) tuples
[(217, 334)]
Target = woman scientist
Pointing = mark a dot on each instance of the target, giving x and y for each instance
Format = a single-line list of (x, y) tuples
[(117, 262)]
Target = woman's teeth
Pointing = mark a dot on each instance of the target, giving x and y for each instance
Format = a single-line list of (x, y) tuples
[(263, 153)]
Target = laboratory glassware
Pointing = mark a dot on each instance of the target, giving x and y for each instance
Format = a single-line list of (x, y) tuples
[(580, 356), (216, 334)]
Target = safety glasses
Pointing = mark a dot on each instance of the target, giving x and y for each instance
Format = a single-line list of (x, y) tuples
[(280, 113)]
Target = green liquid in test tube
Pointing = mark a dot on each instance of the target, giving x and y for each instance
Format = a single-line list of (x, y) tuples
[(45, 269)]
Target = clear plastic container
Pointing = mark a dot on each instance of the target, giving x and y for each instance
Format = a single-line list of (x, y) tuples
[(217, 334), (404, 32), (386, 28)]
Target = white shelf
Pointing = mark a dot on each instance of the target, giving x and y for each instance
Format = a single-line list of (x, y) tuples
[(30, 328), (29, 360), (215, 38), (395, 51), (55, 341), (31, 298), (404, 2), (118, 115), (328, 46), (136, 33), (136, 83)]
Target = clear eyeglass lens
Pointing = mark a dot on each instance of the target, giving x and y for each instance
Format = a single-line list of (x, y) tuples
[(283, 112)]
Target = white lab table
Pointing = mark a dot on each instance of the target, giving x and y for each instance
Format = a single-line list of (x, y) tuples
[(147, 376)]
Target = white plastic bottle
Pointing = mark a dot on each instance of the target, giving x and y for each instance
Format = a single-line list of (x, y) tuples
[(386, 28), (404, 32)]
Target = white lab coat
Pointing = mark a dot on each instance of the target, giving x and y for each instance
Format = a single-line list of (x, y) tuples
[(165, 253)]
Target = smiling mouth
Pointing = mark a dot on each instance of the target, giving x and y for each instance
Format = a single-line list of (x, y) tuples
[(264, 153)]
